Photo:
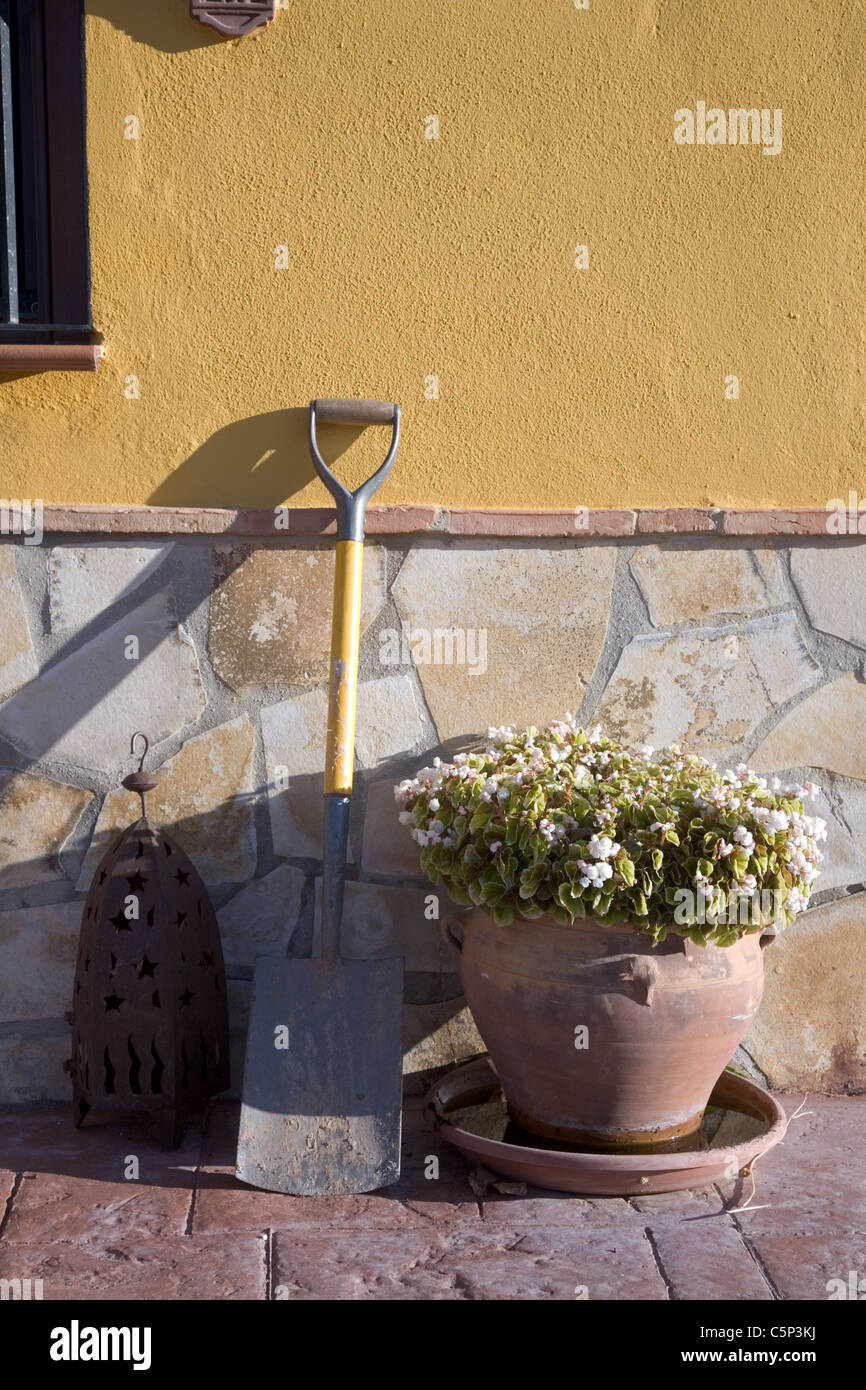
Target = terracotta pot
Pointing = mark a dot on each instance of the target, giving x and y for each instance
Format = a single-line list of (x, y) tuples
[(661, 1023)]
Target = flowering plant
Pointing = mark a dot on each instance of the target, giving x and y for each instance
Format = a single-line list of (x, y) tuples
[(563, 821)]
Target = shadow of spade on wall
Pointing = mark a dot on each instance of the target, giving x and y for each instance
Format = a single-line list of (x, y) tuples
[(263, 460), (260, 461)]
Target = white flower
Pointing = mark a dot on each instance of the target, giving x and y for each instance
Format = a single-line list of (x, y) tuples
[(433, 804), (594, 874), (602, 847), (550, 831), (797, 900), (496, 847), (725, 849), (744, 837), (405, 818)]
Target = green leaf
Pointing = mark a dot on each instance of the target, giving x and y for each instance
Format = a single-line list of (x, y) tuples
[(625, 868), (531, 910)]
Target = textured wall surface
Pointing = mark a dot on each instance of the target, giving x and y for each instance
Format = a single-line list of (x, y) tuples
[(741, 649), (407, 258)]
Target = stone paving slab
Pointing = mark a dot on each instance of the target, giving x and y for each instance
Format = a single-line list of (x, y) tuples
[(802, 1266), (75, 1209), (705, 1257), (168, 1269), (498, 1266), (552, 1212)]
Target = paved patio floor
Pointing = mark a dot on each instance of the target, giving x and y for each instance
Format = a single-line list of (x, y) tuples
[(102, 1213)]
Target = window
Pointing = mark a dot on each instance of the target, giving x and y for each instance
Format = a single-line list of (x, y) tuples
[(44, 253)]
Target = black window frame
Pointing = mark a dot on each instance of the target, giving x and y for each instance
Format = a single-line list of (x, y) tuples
[(44, 234)]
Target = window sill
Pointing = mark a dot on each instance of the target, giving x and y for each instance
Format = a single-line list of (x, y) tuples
[(49, 357)]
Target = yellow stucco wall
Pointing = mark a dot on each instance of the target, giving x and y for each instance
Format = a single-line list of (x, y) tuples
[(410, 256)]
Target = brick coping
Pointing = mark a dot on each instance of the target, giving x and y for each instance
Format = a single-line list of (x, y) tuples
[(450, 521)]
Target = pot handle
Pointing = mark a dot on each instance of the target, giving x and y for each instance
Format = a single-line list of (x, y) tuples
[(446, 931), (643, 971)]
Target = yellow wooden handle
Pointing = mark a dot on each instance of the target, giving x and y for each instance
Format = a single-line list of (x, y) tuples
[(343, 681)]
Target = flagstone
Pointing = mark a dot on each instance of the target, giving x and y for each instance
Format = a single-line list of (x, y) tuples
[(85, 580), (832, 584), (503, 635), (37, 816), (708, 688), (271, 612), (824, 730), (810, 1031), (17, 658), (683, 584), (141, 672)]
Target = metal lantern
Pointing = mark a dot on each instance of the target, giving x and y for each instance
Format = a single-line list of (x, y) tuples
[(149, 1016)]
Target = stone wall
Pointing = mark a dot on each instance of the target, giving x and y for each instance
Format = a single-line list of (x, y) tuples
[(747, 648)]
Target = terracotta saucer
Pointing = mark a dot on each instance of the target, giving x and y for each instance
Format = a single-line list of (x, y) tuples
[(472, 1096)]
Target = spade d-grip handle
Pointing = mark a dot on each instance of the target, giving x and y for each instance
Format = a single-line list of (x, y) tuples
[(351, 506)]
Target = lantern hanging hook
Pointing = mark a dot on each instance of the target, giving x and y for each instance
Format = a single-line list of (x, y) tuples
[(141, 782), (136, 735)]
